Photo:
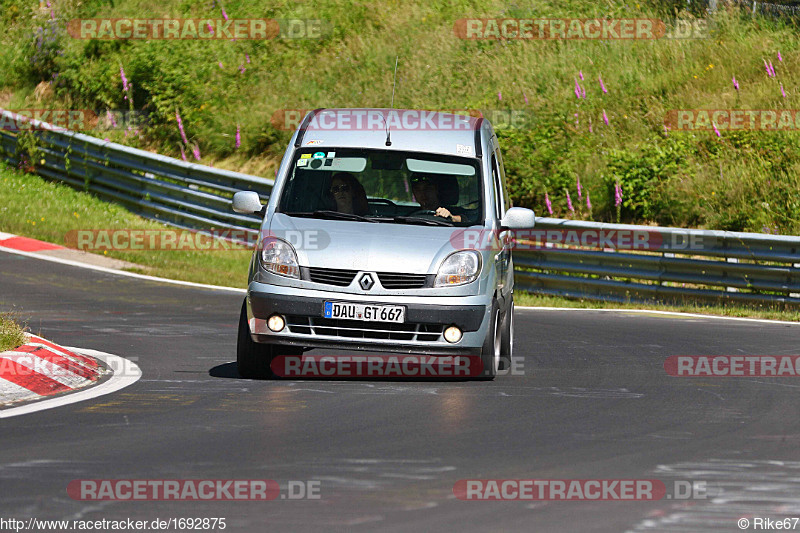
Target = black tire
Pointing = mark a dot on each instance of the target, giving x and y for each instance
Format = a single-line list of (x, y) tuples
[(490, 352), (507, 338), (253, 359)]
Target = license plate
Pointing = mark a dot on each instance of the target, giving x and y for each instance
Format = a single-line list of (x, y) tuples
[(364, 312)]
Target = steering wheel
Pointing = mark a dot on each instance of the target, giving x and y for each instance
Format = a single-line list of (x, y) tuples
[(423, 212)]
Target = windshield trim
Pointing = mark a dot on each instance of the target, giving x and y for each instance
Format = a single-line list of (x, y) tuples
[(285, 177)]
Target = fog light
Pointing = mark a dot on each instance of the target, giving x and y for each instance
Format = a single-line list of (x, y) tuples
[(276, 323), (452, 334)]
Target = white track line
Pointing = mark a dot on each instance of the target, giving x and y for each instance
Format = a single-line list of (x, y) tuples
[(125, 373), (120, 272), (244, 291), (654, 311)]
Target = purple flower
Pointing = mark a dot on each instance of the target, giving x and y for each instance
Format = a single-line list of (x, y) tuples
[(238, 137), (583, 92), (771, 68), (588, 202), (210, 29), (499, 96), (196, 152), (248, 58), (124, 79), (180, 127), (602, 85), (590, 125), (183, 154), (547, 203), (111, 119), (225, 15), (617, 194), (569, 203), (735, 83), (220, 64), (666, 131), (782, 91), (779, 56), (525, 96), (578, 184), (241, 68), (716, 130), (577, 89), (580, 73), (605, 117)]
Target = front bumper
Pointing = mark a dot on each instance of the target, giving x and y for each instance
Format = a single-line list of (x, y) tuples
[(426, 319)]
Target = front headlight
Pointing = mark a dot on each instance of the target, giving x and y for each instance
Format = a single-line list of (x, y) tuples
[(459, 268), (279, 257)]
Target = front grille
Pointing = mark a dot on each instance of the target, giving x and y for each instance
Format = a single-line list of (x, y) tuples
[(332, 276), (356, 329), (389, 280), (392, 280)]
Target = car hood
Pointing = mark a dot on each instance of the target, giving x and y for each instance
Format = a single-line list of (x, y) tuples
[(374, 247)]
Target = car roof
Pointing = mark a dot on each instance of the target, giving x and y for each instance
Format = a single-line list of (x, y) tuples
[(409, 129)]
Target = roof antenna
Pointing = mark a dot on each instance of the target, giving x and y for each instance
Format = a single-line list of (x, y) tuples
[(394, 84)]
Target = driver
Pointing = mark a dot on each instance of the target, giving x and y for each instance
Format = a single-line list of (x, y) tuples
[(426, 193)]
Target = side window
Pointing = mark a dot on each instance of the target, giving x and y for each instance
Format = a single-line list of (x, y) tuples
[(506, 198), (498, 189)]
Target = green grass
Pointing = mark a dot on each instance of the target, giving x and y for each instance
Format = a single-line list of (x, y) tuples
[(25, 198), (765, 312), (34, 207), (11, 334), (739, 181)]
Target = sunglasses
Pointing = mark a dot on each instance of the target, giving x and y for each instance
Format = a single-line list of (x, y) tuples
[(340, 188)]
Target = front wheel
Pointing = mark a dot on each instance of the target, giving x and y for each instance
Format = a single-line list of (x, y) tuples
[(490, 352), (252, 358), (507, 338)]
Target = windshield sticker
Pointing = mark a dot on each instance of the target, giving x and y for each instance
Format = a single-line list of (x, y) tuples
[(302, 162), (463, 149), (305, 156), (331, 155), (319, 155), (313, 142)]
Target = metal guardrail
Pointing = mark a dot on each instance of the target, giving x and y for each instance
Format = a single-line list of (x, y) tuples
[(671, 263), (152, 185), (668, 264)]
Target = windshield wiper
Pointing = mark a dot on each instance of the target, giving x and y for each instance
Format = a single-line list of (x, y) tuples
[(331, 215), (438, 221)]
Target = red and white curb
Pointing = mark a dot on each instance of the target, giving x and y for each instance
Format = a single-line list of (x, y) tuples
[(54, 375), (25, 244)]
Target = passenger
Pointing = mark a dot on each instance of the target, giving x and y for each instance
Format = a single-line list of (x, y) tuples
[(349, 194), (426, 192)]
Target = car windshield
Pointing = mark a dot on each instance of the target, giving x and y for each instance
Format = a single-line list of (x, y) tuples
[(383, 186)]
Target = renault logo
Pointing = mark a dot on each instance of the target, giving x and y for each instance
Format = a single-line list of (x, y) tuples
[(366, 282)]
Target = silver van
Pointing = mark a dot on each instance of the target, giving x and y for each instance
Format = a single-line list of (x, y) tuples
[(375, 238)]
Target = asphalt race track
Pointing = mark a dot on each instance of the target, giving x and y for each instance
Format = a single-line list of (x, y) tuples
[(594, 403)]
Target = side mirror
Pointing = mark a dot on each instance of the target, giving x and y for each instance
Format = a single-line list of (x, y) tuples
[(247, 202), (518, 218)]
